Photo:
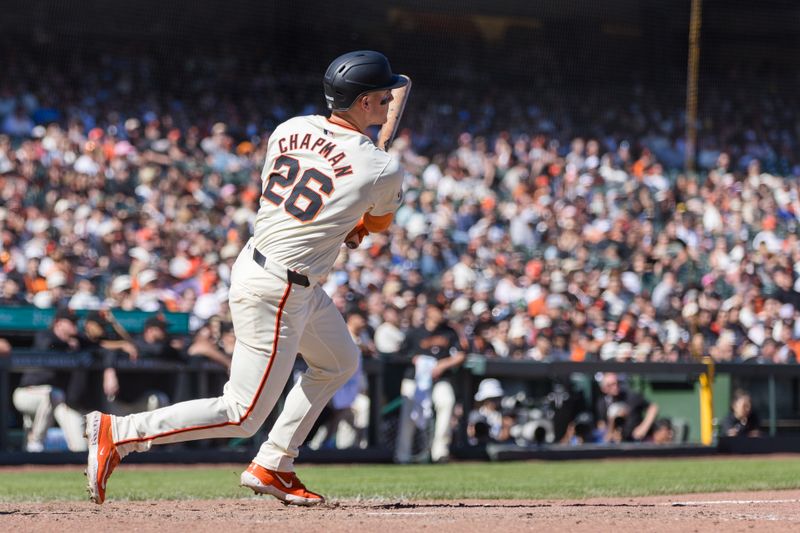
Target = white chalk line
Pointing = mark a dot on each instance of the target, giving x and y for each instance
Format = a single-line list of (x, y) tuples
[(728, 502)]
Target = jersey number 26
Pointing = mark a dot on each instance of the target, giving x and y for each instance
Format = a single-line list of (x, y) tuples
[(304, 211)]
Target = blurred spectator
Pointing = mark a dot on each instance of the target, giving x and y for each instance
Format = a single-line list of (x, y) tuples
[(663, 433), (580, 431), (623, 414), (485, 423), (742, 421), (155, 342), (105, 345), (389, 336), (214, 340), (10, 293), (347, 416), (44, 395), (85, 296), (138, 390), (435, 350)]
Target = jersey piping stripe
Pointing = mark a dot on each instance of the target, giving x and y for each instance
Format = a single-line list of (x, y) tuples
[(255, 398)]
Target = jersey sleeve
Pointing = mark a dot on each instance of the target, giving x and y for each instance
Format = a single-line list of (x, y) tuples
[(387, 191)]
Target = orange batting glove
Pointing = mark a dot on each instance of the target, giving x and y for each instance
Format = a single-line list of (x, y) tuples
[(354, 238), (369, 224)]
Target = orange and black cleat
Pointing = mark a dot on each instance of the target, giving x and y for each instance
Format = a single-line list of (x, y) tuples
[(103, 455), (283, 485)]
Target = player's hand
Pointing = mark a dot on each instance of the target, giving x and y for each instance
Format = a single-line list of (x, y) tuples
[(639, 432), (130, 349), (110, 383), (354, 238)]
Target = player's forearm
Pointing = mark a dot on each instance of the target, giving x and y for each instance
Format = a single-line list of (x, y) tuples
[(451, 362), (650, 417)]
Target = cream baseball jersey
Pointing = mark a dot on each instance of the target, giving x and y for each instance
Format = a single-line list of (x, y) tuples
[(319, 178)]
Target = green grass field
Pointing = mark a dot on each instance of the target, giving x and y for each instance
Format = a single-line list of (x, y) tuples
[(517, 480)]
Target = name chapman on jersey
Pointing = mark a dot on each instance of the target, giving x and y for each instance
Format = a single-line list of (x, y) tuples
[(322, 146)]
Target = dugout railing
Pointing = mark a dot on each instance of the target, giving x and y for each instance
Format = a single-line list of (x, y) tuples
[(193, 380)]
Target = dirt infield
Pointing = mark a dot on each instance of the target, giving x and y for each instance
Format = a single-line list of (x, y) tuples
[(750, 511)]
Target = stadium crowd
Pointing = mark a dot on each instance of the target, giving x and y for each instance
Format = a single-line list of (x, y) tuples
[(538, 237)]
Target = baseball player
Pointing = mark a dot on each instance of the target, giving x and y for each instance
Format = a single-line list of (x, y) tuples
[(324, 182)]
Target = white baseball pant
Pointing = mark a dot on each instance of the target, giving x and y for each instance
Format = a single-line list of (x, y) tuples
[(444, 400), (40, 404), (273, 320)]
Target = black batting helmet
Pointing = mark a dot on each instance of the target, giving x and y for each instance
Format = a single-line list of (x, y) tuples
[(355, 73)]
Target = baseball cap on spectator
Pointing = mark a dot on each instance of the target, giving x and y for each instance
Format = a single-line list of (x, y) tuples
[(83, 212), (489, 388), (229, 251), (517, 329), (95, 316), (40, 225), (56, 279), (479, 307), (642, 352), (227, 191), (179, 267), (542, 322), (207, 305), (416, 226), (746, 317), (570, 265), (557, 301), (459, 306), (156, 322), (483, 285), (749, 351), (631, 282), (65, 314), (690, 310), (728, 304), (146, 276), (624, 351), (140, 254), (736, 255), (43, 299), (123, 148), (617, 410), (61, 206), (757, 334), (608, 351), (120, 284), (726, 337), (399, 302), (558, 284)]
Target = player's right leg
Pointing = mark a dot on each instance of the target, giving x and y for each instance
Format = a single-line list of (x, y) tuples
[(444, 401), (332, 358), (35, 402)]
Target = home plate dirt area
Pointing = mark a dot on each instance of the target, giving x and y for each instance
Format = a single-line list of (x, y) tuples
[(740, 511)]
